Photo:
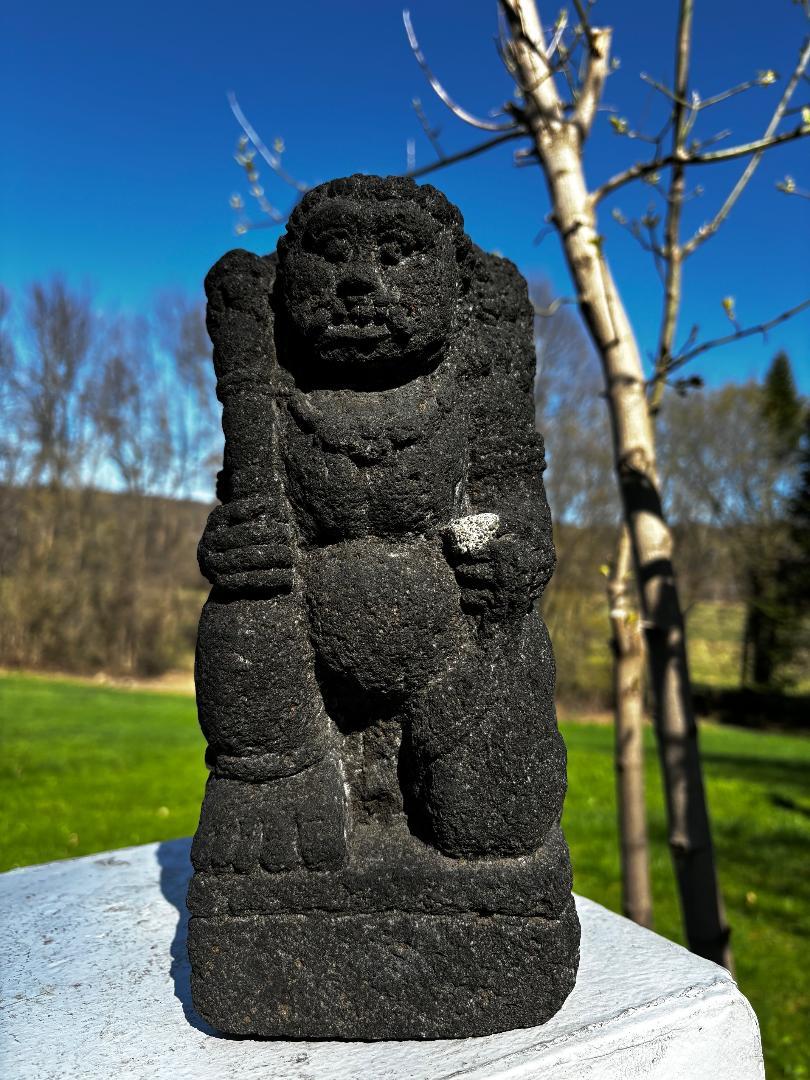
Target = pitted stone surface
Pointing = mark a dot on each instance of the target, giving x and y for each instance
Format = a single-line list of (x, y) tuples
[(94, 983), (470, 535), (379, 852)]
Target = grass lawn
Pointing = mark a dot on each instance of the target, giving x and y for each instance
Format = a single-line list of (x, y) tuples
[(86, 768)]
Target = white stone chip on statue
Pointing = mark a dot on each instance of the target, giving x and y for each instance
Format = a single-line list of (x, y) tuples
[(95, 984)]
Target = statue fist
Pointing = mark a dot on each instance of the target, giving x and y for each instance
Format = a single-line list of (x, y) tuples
[(492, 566), (246, 548)]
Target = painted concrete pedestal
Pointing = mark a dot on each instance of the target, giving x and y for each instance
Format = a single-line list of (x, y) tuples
[(94, 983)]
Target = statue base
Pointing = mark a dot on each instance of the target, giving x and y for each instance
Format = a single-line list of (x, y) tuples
[(400, 943), (397, 975), (95, 980)]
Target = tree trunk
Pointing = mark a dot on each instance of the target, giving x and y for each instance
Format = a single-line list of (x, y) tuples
[(634, 455), (628, 674), (558, 140)]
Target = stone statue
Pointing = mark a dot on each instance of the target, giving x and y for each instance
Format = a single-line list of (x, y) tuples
[(379, 854)]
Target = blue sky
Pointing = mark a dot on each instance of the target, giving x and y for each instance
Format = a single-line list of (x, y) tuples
[(118, 142)]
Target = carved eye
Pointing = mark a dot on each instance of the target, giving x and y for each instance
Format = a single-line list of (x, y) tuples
[(394, 247), (335, 245)]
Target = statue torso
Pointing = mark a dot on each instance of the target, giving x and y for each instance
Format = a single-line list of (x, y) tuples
[(380, 463)]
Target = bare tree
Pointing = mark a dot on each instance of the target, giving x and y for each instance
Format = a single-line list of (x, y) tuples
[(97, 572), (10, 447), (49, 388), (571, 415), (628, 692), (556, 105), (130, 409), (726, 466), (178, 326), (559, 82)]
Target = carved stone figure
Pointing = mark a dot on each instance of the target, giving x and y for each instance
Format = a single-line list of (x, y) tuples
[(379, 853)]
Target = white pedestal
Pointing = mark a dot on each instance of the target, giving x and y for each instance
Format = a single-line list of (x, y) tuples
[(94, 983)]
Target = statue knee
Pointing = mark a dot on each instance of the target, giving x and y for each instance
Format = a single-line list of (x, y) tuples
[(493, 798)]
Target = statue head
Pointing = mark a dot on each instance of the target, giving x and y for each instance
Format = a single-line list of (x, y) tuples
[(370, 274)]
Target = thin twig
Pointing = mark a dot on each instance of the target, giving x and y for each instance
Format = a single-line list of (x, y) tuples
[(788, 187), (582, 15), (715, 343), (461, 113), (553, 307), (554, 44), (472, 151), (726, 94), (272, 159), (431, 133), (665, 90), (705, 231), (714, 139), (641, 169), (672, 253)]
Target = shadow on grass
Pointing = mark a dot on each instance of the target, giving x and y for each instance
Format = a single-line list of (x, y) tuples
[(786, 803), (769, 772), (173, 857), (746, 707), (767, 865)]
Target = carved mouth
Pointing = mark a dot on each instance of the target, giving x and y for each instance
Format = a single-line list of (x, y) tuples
[(357, 326), (353, 332)]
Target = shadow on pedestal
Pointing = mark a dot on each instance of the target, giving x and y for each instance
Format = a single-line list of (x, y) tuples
[(174, 859)]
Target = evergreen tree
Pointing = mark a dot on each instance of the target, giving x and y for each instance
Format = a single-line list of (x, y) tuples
[(797, 568), (782, 407), (771, 622)]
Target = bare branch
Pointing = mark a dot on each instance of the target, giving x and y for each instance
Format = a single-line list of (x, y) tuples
[(472, 151), (559, 30), (534, 70), (714, 139), (431, 133), (272, 159), (525, 157), (665, 90), (726, 94), (595, 74), (547, 230), (553, 307), (715, 343), (642, 169), (788, 187), (697, 104), (251, 226), (648, 243), (582, 15), (705, 231), (672, 253), (439, 90)]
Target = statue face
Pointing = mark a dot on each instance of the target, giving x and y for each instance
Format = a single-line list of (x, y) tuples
[(371, 286)]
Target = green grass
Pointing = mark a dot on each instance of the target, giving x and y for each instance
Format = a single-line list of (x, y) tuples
[(758, 794), (84, 769)]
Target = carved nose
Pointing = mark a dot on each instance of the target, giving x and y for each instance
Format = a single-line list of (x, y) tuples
[(356, 285)]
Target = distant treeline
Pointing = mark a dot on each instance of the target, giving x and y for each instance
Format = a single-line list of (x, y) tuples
[(110, 444), (98, 582)]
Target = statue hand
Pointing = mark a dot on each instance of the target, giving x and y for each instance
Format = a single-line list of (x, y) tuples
[(492, 566), (247, 548)]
